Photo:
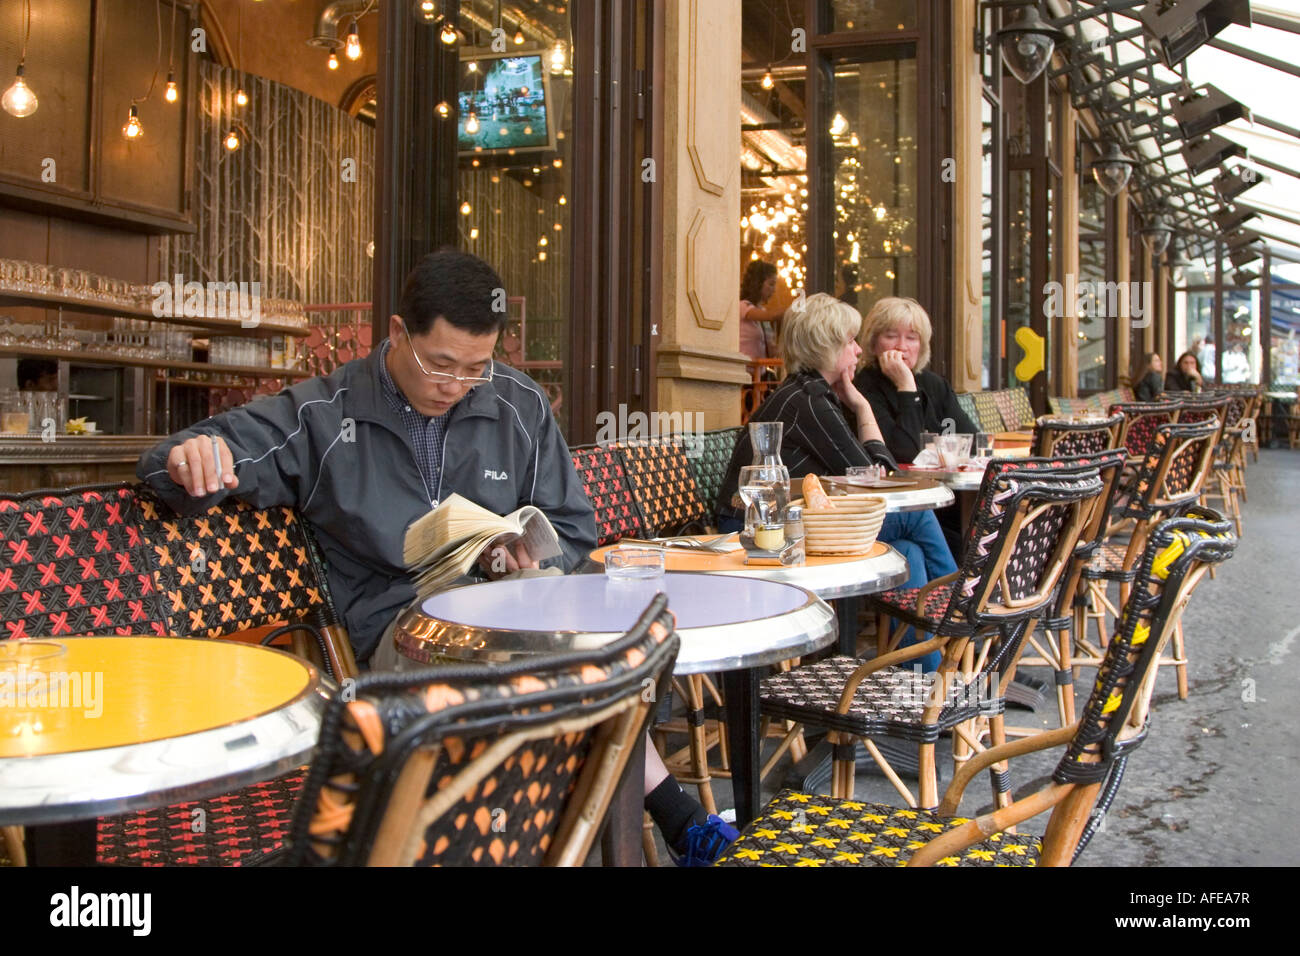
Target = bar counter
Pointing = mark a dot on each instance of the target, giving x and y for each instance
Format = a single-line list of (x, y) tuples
[(27, 462)]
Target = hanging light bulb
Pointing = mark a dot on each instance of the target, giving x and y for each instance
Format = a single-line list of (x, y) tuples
[(133, 130), (443, 109), (767, 81), (333, 61), (241, 98), (352, 43), (472, 66), (558, 57), (19, 100), (231, 142), (519, 37), (465, 208), (448, 34), (426, 9), (471, 124), (171, 94)]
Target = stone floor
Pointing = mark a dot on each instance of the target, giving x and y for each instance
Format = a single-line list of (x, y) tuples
[(1216, 781)]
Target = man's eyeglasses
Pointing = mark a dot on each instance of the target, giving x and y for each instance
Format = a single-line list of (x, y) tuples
[(470, 380)]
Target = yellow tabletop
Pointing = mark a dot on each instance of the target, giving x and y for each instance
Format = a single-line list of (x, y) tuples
[(115, 691)]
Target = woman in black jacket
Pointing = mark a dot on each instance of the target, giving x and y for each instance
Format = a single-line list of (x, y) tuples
[(1151, 383), (905, 398), (829, 426)]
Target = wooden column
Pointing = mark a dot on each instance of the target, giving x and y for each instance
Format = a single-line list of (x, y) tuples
[(968, 233), (1149, 302), (699, 367), (1123, 359), (1066, 341)]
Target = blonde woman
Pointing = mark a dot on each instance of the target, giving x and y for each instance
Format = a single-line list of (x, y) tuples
[(905, 397), (829, 426)]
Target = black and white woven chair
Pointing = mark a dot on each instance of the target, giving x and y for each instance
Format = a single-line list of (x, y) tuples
[(1026, 523), (801, 829)]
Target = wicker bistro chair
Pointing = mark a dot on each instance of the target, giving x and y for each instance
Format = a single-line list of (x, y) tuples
[(1024, 528), (987, 415), (484, 765), (1066, 618), (1169, 480), (663, 486), (1141, 419), (798, 829), (708, 461), (600, 469), (1056, 437)]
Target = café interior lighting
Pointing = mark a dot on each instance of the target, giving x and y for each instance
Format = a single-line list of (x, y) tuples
[(519, 37), (333, 61), (767, 82), (426, 9), (171, 94), (241, 98), (1028, 43), (443, 109), (559, 58), (133, 129), (19, 100), (471, 124), (352, 43), (231, 141), (1112, 170), (448, 34)]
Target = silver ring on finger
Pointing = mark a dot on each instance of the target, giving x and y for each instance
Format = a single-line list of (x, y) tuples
[(183, 464)]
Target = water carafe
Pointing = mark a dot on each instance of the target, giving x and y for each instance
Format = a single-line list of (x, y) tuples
[(765, 438)]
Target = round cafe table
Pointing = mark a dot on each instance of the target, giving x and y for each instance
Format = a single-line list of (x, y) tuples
[(903, 492), (146, 722), (736, 625)]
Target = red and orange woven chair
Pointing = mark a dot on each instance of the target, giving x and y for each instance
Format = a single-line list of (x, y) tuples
[(801, 829)]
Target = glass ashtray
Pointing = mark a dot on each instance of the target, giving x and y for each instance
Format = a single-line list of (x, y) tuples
[(629, 562)]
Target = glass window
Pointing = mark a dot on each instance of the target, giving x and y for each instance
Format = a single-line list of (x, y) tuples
[(869, 15), (1020, 299), (515, 120), (1285, 330), (874, 158), (988, 225)]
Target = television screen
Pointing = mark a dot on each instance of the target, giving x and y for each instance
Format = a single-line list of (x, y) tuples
[(504, 104)]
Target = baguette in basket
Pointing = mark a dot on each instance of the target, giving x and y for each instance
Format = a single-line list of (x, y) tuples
[(814, 495)]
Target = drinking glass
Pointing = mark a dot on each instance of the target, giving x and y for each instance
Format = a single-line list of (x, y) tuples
[(764, 493), (633, 561), (928, 440), (864, 474), (954, 449)]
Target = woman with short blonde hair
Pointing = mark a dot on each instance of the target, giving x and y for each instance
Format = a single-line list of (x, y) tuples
[(905, 398), (819, 332)]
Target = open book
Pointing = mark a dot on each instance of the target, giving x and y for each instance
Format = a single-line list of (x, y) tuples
[(444, 544)]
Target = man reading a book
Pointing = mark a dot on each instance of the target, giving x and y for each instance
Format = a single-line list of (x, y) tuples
[(366, 450)]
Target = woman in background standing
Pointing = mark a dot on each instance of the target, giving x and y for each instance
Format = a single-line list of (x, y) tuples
[(758, 326)]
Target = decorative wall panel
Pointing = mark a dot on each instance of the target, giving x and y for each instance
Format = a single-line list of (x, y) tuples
[(292, 207)]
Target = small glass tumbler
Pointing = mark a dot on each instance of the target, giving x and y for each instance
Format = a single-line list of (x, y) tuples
[(630, 562)]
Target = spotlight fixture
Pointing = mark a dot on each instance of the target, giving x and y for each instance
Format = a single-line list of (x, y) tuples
[(1234, 182), (1200, 113), (19, 100), (1209, 151), (1157, 233), (1242, 237), (133, 129), (241, 98), (1230, 219), (171, 94), (448, 35), (1112, 170), (1178, 29), (333, 61), (352, 43), (1027, 44), (1244, 255)]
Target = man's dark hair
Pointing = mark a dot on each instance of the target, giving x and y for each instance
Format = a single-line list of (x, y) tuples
[(32, 370), (460, 287)]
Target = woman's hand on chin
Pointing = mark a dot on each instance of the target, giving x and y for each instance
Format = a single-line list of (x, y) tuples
[(895, 368), (848, 392)]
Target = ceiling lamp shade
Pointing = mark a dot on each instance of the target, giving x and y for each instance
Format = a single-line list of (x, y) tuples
[(1236, 181), (1209, 151), (1198, 114), (1189, 24), (1112, 170), (1157, 234), (1027, 44)]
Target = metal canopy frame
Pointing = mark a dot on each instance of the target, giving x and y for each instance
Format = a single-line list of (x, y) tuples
[(1115, 73)]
